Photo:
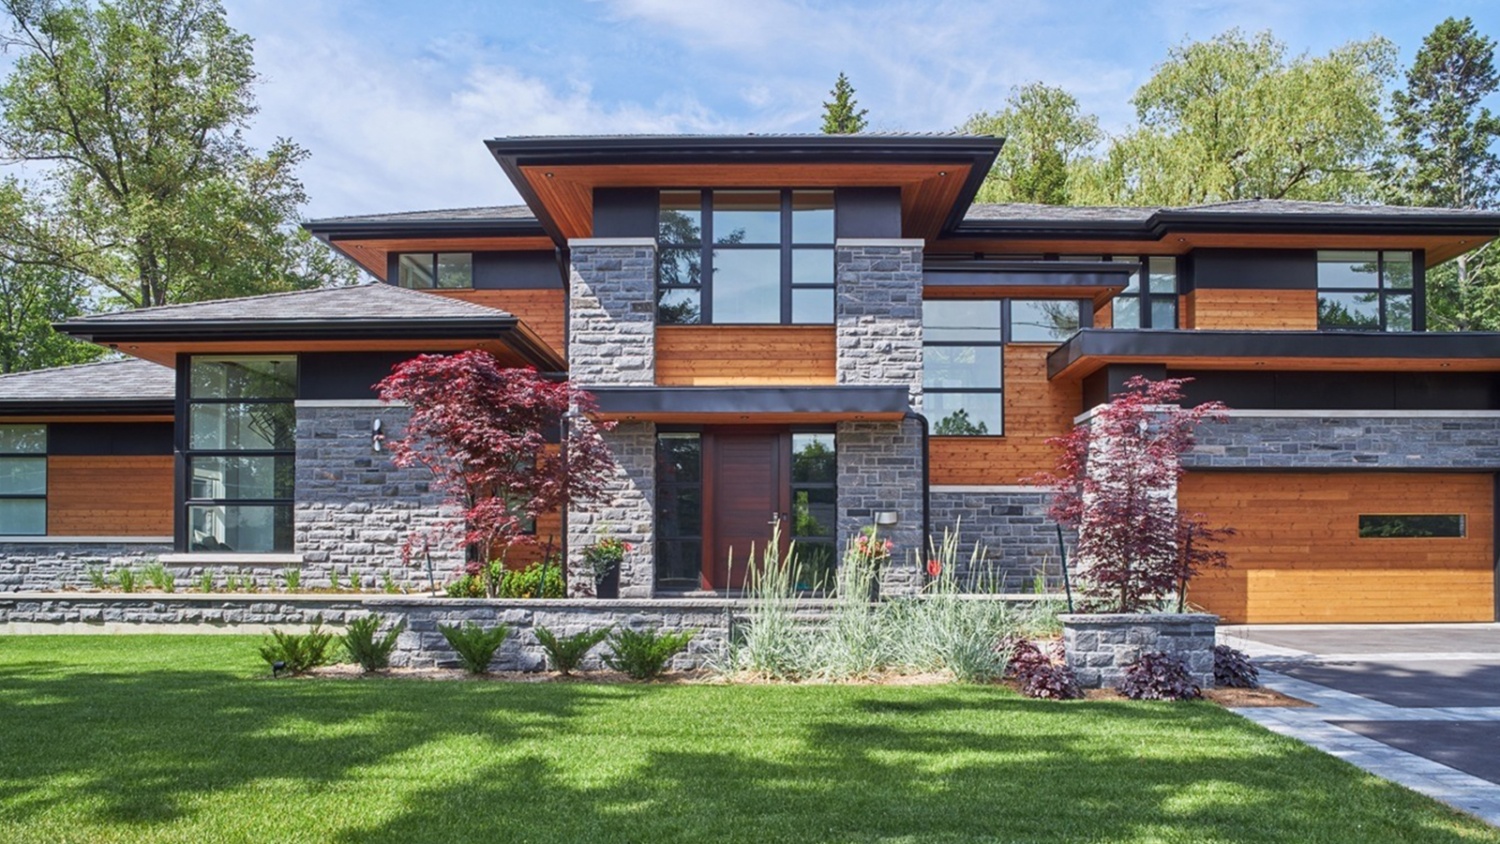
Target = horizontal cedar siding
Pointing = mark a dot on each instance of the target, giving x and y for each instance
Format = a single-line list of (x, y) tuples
[(1239, 309), (542, 310), (708, 355), (109, 495), (1104, 316), (1298, 556), (1035, 409)]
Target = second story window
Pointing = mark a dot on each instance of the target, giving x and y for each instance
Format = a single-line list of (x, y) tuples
[(1152, 304), (435, 271), (1365, 291), (748, 257), (23, 480)]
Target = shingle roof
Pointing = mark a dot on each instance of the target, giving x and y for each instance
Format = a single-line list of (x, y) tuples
[(1040, 216), (360, 302), (1297, 206), (107, 380), (479, 214), (1025, 212)]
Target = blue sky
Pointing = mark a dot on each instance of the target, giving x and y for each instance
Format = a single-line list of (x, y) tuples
[(394, 98)]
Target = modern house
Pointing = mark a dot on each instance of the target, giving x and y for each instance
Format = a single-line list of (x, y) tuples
[(806, 332)]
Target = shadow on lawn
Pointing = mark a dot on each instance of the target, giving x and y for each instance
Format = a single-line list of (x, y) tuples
[(575, 762)]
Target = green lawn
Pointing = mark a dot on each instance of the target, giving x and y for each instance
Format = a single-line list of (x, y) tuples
[(178, 738)]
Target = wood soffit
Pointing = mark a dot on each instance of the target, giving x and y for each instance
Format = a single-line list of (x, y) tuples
[(374, 254)]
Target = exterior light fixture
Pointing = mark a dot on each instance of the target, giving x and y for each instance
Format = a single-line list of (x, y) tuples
[(887, 518), (377, 439)]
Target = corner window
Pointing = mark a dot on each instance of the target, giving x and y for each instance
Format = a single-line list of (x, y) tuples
[(441, 270), (1152, 305), (750, 257), (1365, 291), (23, 480), (1411, 527), (241, 452), (1044, 320)]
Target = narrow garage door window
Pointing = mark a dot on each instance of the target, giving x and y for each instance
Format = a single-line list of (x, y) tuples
[(1411, 527)]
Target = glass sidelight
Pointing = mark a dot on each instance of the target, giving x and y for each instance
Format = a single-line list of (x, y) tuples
[(679, 509)]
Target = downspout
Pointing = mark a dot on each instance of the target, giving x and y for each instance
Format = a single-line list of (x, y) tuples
[(564, 269), (926, 489)]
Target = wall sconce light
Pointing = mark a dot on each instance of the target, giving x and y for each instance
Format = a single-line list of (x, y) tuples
[(377, 439), (887, 518)]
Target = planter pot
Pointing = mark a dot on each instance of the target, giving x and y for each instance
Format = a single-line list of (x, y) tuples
[(607, 585), (1100, 646)]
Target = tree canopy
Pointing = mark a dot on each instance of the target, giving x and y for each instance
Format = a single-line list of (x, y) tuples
[(842, 115), (1046, 136)]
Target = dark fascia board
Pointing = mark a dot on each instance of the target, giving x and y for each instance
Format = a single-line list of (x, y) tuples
[(1169, 221), (332, 230), (85, 407), (978, 151), (751, 400), (1418, 345), (1029, 273)]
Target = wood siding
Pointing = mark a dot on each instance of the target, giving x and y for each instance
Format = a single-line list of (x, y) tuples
[(109, 495), (708, 355), (1237, 310), (1298, 556), (543, 311), (1035, 410), (1104, 316)]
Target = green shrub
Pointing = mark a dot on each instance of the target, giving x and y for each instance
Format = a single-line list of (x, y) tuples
[(643, 655), (466, 586), (293, 578), (206, 582), (475, 645), (528, 583), (388, 583), (158, 576), (363, 644), (299, 653), (97, 578), (568, 651), (333, 581), (125, 579)]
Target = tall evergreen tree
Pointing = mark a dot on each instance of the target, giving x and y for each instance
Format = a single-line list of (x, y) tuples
[(1446, 157), (843, 116)]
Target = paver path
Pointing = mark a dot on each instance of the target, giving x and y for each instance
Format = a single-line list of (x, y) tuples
[(1416, 704)]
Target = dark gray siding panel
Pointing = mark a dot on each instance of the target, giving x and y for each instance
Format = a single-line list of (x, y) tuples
[(109, 438), (345, 375), (517, 271), (1345, 390), (625, 212), (867, 212), (1254, 269)]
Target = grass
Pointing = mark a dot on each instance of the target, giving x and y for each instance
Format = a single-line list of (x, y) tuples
[(178, 738)]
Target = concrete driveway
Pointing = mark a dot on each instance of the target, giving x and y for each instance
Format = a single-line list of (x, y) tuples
[(1418, 704)]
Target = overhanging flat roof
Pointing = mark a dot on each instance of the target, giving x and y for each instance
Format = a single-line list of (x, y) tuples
[(1096, 280), (1092, 348), (752, 404)]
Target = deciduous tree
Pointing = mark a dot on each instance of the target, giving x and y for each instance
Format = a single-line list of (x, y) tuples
[(1047, 136)]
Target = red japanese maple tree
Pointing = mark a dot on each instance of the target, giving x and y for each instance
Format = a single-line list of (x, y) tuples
[(1115, 484), (483, 430)]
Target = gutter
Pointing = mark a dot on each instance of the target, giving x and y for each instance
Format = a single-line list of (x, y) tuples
[(926, 489)]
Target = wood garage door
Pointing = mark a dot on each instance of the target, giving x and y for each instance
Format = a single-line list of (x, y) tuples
[(1299, 556)]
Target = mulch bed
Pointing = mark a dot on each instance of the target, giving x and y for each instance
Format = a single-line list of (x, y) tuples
[(1238, 698)]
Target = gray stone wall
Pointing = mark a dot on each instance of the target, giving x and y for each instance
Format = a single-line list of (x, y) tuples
[(1344, 441), (880, 468), (355, 508), (1016, 541), (1099, 647), (612, 313), (117, 613), (878, 316), (626, 509), (34, 566)]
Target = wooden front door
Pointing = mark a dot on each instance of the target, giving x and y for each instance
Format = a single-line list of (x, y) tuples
[(749, 497)]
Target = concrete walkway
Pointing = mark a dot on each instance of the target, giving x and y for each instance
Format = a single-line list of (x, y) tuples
[(1418, 705)]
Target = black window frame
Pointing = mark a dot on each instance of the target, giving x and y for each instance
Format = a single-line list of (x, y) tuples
[(787, 247), (1145, 297), (186, 453), (830, 539), (6, 456), (1396, 520), (664, 488), (432, 269), (1382, 292)]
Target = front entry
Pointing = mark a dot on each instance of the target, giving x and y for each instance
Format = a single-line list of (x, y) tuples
[(722, 493)]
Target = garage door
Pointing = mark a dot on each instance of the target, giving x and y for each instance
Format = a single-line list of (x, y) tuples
[(1348, 547)]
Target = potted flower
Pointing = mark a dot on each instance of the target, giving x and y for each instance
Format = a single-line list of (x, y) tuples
[(604, 558)]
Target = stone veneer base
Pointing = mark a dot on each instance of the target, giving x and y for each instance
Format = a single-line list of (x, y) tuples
[(1100, 646)]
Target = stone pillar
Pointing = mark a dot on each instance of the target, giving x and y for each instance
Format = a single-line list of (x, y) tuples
[(878, 326), (355, 508), (611, 342)]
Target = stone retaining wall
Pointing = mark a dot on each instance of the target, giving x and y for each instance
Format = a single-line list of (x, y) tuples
[(1099, 647), (38, 566)]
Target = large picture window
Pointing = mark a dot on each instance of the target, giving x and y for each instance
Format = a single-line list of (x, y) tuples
[(1365, 291), (241, 448), (23, 480), (755, 257)]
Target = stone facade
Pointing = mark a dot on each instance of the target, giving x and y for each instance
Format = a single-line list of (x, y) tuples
[(1344, 441), (355, 508), (627, 510), (880, 469), (612, 313), (1099, 647), (1017, 541), (35, 566), (109, 613)]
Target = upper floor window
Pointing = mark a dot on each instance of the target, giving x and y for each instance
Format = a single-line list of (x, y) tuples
[(435, 270), (23, 480), (241, 452), (1152, 304), (1365, 291), (745, 257)]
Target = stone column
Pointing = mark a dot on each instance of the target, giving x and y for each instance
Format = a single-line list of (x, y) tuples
[(612, 342), (878, 323), (355, 508)]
